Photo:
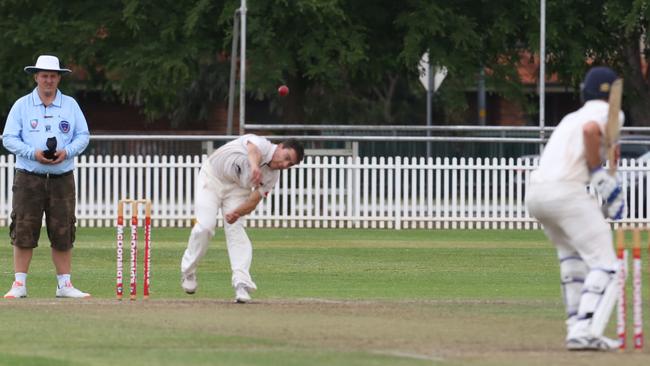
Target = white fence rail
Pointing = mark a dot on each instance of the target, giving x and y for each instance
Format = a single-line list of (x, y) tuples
[(323, 192)]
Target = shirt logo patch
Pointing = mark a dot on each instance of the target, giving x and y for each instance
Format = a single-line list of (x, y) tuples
[(64, 126), (34, 123), (48, 128)]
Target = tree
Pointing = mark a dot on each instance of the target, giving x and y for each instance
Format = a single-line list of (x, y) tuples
[(604, 32), (345, 61), (466, 36), (152, 54), (311, 45)]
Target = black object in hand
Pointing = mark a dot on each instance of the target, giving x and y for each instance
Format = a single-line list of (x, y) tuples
[(51, 148)]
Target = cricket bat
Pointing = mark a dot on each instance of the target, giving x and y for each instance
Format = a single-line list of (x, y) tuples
[(613, 126)]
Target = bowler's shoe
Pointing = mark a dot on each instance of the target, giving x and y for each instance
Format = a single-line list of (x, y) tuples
[(241, 294), (189, 283)]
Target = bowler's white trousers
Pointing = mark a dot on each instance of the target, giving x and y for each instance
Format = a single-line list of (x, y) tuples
[(573, 221), (212, 195)]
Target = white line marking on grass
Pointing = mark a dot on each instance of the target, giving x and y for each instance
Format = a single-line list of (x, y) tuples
[(411, 355), (272, 301)]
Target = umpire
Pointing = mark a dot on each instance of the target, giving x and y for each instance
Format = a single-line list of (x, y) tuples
[(45, 129)]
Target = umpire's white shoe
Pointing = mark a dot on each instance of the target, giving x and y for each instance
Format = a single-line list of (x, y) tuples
[(241, 294), (189, 283), (592, 344), (18, 290), (70, 291)]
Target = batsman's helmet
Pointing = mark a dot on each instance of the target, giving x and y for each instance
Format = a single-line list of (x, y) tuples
[(597, 83)]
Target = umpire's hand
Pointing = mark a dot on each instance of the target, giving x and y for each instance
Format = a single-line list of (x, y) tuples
[(59, 156), (39, 155)]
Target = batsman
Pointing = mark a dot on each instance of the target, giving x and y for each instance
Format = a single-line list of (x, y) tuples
[(574, 220)]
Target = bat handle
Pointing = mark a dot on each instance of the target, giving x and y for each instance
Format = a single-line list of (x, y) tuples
[(612, 158)]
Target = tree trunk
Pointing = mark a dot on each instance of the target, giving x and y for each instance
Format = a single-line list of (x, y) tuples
[(636, 84), (386, 95), (294, 112)]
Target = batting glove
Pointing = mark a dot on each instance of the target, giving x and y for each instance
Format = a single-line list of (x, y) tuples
[(609, 188), (617, 209)]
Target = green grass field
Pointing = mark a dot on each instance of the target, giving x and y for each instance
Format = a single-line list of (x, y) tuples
[(326, 297)]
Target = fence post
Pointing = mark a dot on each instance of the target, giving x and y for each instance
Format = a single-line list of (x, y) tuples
[(357, 192), (398, 193)]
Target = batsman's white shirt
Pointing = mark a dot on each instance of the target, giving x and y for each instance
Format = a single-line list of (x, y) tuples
[(564, 158), (557, 195)]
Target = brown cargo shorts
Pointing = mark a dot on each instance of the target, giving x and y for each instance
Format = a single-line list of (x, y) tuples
[(34, 195)]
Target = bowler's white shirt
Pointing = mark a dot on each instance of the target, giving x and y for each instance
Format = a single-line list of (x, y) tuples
[(563, 159), (230, 163)]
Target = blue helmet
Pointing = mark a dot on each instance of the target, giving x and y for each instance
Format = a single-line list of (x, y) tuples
[(597, 83)]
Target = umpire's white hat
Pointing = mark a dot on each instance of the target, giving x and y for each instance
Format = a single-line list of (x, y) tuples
[(46, 63)]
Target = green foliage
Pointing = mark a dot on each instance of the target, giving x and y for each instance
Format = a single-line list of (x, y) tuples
[(466, 36), (317, 41), (345, 61), (146, 53), (601, 32)]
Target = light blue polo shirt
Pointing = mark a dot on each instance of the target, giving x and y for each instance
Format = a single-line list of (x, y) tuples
[(30, 123)]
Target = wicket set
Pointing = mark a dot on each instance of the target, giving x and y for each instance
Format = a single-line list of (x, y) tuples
[(134, 247), (637, 294)]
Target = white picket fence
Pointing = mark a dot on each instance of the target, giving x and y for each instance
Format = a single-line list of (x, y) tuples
[(324, 192)]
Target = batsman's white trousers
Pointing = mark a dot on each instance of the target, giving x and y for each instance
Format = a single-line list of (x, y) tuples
[(211, 196), (573, 221)]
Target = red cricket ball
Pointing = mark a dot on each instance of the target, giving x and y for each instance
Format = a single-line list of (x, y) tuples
[(283, 90)]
